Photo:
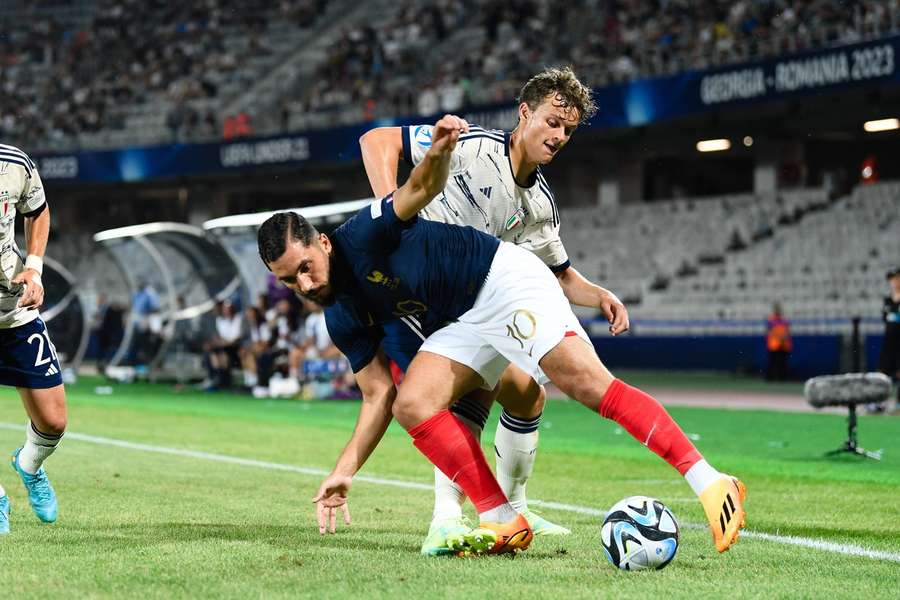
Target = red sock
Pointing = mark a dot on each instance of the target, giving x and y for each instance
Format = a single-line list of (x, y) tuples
[(452, 448), (649, 423)]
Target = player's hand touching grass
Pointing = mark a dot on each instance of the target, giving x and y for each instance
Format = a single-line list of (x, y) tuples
[(332, 495), (614, 311), (34, 288)]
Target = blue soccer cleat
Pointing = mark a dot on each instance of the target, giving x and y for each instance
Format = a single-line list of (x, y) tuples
[(4, 514), (41, 496)]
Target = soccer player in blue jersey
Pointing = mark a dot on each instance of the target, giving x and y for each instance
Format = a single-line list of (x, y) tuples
[(495, 303), (28, 359), (496, 185)]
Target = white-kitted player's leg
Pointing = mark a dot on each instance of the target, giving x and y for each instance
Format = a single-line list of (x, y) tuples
[(48, 418), (46, 410)]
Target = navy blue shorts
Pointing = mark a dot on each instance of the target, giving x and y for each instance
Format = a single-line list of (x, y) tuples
[(28, 358)]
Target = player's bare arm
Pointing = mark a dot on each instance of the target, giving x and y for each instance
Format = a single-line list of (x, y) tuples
[(37, 230), (382, 149), (378, 394), (582, 292), (430, 176)]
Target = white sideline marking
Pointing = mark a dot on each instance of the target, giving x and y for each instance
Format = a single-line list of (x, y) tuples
[(824, 545)]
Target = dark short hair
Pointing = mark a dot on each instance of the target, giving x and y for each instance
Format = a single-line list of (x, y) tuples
[(563, 82), (275, 232)]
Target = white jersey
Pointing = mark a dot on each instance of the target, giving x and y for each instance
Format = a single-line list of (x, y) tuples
[(21, 191), (482, 192)]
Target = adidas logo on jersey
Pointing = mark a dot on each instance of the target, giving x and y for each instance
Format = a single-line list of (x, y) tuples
[(486, 191), (51, 371)]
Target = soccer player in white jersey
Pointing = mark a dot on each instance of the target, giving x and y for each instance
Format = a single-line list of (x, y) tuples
[(28, 359), (496, 186)]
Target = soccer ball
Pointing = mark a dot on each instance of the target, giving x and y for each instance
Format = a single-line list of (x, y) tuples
[(639, 533)]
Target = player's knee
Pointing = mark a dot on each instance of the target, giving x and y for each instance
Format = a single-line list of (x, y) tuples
[(403, 410), (54, 425)]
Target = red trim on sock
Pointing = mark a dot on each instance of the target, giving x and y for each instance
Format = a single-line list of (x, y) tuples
[(570, 334), (649, 423), (452, 448)]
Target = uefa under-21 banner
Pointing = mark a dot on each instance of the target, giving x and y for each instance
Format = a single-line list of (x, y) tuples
[(624, 105)]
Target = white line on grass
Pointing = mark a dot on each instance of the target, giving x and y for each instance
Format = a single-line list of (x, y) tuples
[(824, 545)]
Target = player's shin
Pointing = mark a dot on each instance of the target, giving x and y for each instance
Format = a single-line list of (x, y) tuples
[(451, 447), (515, 448), (38, 446), (649, 423), (448, 495)]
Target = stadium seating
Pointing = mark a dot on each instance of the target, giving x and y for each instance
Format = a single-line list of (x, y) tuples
[(733, 257), (106, 73)]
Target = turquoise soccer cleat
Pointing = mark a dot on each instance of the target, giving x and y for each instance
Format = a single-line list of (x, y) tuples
[(41, 496), (4, 514), (541, 526), (446, 536)]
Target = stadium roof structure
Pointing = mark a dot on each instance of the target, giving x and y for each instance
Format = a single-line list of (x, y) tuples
[(188, 267), (237, 234), (319, 212), (65, 314)]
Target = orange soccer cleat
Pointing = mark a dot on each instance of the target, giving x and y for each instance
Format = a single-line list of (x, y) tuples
[(723, 503), (498, 538)]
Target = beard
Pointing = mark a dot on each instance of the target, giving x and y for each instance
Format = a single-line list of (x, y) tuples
[(325, 294)]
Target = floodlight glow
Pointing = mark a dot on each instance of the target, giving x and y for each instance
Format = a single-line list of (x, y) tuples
[(748, 141), (881, 125), (713, 145)]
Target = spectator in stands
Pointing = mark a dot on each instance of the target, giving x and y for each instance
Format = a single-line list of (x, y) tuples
[(256, 345), (237, 126), (223, 349), (109, 327), (778, 344), (187, 341), (145, 312), (334, 378), (889, 359)]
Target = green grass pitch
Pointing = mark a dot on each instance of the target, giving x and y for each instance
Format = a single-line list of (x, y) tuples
[(139, 523)]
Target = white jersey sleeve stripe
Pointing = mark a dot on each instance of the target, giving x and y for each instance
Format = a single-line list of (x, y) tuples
[(17, 161), (14, 150)]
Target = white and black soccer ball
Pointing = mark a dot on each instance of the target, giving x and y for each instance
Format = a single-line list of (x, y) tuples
[(639, 533)]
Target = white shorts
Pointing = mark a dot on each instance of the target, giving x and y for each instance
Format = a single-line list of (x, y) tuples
[(519, 315)]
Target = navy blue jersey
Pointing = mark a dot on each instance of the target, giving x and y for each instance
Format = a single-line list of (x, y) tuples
[(388, 270)]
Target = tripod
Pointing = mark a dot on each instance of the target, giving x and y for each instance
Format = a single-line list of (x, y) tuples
[(850, 444)]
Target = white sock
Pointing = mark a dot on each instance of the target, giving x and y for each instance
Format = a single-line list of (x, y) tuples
[(38, 446), (701, 475), (250, 379), (448, 495), (500, 514), (515, 448)]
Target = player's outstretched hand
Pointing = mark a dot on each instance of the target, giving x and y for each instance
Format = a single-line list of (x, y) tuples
[(446, 132), (615, 312), (332, 495), (34, 289)]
